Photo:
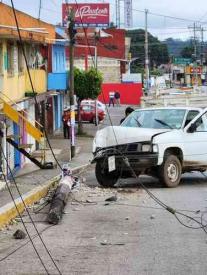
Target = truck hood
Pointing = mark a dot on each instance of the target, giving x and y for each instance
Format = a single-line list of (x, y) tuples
[(116, 135)]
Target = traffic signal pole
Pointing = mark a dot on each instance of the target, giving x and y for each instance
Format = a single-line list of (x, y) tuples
[(71, 32)]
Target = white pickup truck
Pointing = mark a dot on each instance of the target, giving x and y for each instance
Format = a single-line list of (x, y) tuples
[(163, 142)]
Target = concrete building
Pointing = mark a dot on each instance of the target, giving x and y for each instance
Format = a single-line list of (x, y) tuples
[(105, 49), (24, 95)]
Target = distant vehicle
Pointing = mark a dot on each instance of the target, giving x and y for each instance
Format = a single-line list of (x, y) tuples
[(88, 113), (100, 105), (163, 142)]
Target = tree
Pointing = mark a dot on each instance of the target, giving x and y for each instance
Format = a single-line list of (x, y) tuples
[(158, 51), (87, 84), (175, 46), (187, 52)]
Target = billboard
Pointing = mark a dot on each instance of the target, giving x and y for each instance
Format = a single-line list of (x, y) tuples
[(94, 15), (128, 13)]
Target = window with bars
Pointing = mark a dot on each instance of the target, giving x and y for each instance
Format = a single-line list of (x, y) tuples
[(10, 58), (20, 59)]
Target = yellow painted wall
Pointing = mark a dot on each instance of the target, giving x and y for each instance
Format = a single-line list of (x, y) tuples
[(15, 85), (39, 80)]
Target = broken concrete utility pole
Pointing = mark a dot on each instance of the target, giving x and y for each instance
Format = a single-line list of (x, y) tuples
[(60, 197)]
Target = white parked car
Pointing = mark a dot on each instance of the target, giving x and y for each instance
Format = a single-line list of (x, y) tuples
[(163, 142)]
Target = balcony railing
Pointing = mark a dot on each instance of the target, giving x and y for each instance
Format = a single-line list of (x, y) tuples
[(57, 81)]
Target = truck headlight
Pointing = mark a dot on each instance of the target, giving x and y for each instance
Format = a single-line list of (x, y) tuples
[(155, 148), (146, 148)]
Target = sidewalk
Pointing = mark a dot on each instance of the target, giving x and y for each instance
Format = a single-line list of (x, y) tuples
[(34, 183)]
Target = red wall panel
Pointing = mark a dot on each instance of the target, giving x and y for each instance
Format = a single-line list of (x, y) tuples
[(111, 47), (130, 92)]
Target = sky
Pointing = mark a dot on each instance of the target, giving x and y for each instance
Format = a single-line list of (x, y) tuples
[(161, 26)]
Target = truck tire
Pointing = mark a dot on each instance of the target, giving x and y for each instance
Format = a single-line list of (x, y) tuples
[(170, 171), (105, 178)]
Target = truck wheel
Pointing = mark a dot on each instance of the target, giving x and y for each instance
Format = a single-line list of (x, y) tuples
[(105, 178), (170, 171)]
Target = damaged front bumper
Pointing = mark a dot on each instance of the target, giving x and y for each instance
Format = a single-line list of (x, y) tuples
[(137, 160)]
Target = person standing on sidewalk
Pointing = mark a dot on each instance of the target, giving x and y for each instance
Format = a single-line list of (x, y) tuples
[(66, 123), (117, 98), (111, 98)]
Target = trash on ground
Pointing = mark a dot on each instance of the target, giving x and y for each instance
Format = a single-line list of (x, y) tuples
[(108, 243)]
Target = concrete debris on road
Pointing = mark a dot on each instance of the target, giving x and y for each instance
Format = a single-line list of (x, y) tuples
[(112, 198), (19, 234)]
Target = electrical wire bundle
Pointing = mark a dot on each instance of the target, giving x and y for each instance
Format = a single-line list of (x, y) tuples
[(19, 193), (201, 222)]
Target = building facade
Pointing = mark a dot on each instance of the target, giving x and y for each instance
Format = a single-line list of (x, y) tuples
[(24, 91)]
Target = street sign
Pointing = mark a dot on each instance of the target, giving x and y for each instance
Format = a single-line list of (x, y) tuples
[(182, 60)]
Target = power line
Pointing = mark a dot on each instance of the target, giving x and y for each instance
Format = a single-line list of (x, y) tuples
[(17, 209), (30, 217), (156, 199), (21, 246), (31, 83), (20, 39)]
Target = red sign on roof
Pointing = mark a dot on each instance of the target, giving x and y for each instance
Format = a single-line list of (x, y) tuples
[(87, 14), (195, 70)]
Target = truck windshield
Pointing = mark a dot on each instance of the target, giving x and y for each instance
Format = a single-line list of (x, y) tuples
[(156, 119)]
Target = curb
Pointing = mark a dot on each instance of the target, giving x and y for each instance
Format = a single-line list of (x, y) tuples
[(9, 211)]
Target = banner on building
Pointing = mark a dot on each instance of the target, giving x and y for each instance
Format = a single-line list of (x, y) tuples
[(128, 13), (93, 15)]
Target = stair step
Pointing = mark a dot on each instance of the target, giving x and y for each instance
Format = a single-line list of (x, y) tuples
[(13, 136), (37, 154), (24, 146)]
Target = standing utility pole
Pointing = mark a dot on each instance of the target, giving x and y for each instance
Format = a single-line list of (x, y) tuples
[(195, 69), (40, 6), (72, 33), (146, 55), (202, 46), (118, 23)]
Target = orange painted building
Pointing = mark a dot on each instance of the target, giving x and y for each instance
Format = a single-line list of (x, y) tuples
[(46, 32)]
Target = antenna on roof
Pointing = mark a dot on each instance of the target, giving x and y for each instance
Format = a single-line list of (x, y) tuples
[(40, 6)]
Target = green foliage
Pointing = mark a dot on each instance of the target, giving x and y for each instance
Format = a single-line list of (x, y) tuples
[(175, 46), (158, 51), (87, 84), (187, 52), (155, 72), (79, 82)]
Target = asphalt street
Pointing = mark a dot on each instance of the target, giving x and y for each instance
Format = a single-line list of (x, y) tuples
[(132, 235)]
